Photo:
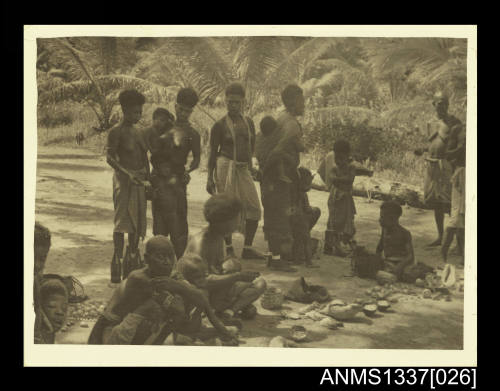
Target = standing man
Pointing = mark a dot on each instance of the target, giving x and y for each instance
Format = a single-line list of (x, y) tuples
[(232, 142), (437, 184), (126, 153), (280, 198), (169, 153)]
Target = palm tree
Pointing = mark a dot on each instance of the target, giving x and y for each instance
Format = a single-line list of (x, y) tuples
[(88, 77)]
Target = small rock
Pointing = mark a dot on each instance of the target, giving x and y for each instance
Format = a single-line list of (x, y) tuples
[(290, 315), (278, 342), (359, 301), (384, 277), (448, 298), (337, 302), (64, 329), (393, 299), (329, 323), (84, 324), (420, 283), (314, 315), (368, 292)]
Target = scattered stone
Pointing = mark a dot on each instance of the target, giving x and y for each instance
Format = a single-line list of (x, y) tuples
[(368, 292), (376, 289), (345, 312), (278, 342), (308, 308), (314, 315), (448, 298), (329, 323), (426, 294), (383, 305), (393, 299), (64, 329), (359, 301), (420, 283), (84, 324), (337, 302), (290, 315)]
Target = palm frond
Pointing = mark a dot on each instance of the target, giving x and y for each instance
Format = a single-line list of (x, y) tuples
[(207, 69)]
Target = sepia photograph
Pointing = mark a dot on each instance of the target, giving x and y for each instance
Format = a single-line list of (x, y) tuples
[(288, 188)]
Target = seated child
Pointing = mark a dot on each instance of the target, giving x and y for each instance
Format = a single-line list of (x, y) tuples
[(41, 249), (303, 220), (53, 311), (231, 294), (341, 208), (149, 298), (395, 244)]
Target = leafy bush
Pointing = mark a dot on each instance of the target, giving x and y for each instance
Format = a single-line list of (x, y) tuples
[(55, 116)]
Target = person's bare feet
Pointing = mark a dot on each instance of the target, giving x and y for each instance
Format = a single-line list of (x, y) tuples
[(435, 243), (252, 253)]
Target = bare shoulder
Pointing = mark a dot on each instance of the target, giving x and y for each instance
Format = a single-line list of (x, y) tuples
[(406, 233)]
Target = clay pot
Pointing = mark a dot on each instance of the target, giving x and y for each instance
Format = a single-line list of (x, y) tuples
[(298, 333), (383, 305), (370, 309)]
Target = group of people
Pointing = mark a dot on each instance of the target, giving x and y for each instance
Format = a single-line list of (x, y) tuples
[(183, 277)]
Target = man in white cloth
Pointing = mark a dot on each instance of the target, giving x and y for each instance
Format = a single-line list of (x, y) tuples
[(232, 142)]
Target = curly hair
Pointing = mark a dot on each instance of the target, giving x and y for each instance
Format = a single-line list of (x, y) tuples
[(190, 265), (128, 98), (160, 111), (290, 93), (341, 146), (267, 125), (187, 97), (392, 208), (53, 286), (235, 89), (221, 207)]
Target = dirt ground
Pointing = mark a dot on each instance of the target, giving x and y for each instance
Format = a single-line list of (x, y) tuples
[(73, 199)]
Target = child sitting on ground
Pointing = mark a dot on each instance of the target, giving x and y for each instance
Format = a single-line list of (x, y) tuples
[(230, 294), (395, 244), (341, 208), (303, 220), (54, 308)]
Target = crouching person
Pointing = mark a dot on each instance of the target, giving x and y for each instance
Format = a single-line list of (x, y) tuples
[(147, 306), (231, 292), (395, 244)]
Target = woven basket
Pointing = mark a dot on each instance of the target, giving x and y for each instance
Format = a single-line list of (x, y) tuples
[(272, 299)]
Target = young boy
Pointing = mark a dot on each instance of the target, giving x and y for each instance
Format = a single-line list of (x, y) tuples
[(304, 219), (41, 249), (145, 293), (53, 311), (341, 208), (230, 294), (170, 177), (127, 155), (395, 244)]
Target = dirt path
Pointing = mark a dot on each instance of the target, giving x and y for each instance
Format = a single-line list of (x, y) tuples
[(73, 199)]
